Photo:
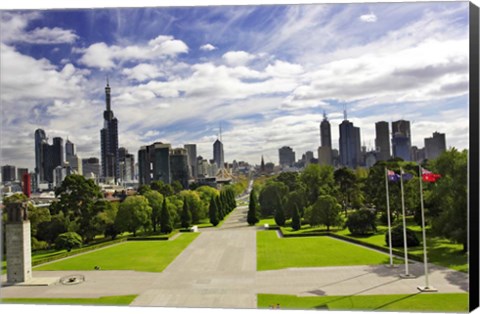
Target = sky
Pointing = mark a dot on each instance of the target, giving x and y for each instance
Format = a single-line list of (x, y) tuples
[(265, 74)]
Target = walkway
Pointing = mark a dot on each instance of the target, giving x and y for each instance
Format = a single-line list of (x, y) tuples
[(218, 269)]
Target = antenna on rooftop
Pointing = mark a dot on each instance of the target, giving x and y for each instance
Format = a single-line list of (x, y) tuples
[(344, 111)]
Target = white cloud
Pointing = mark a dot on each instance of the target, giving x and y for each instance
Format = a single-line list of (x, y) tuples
[(208, 47), (238, 58), (142, 72), (14, 31), (368, 18), (100, 55)]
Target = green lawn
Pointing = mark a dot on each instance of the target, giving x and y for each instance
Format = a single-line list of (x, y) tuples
[(277, 253), (114, 300), (454, 302), (440, 251), (150, 256)]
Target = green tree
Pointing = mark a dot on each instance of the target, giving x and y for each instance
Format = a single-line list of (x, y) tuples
[(198, 209), (49, 230), (177, 186), (164, 189), (186, 218), (166, 224), (318, 180), (213, 212), (268, 197), (290, 179), (448, 200), (326, 211), (68, 241), (295, 198), (361, 222), (346, 181), (76, 198), (142, 189), (252, 215), (133, 213), (155, 200), (296, 220), (279, 212)]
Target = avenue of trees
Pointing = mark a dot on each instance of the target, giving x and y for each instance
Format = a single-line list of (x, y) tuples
[(356, 199), (81, 213)]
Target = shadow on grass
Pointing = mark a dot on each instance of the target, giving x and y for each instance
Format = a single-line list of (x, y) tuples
[(395, 301), (325, 305)]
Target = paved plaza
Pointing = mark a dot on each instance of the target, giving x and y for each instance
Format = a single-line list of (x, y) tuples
[(218, 269)]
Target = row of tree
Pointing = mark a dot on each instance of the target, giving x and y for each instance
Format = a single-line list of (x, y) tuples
[(156, 208), (320, 194)]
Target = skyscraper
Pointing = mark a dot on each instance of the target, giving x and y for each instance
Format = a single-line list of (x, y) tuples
[(286, 156), (69, 149), (8, 173), (40, 138), (126, 164), (91, 167), (350, 150), (435, 145), (154, 163), (47, 157), (325, 149), (109, 142), (192, 159), (382, 140), (401, 140), (325, 132), (179, 166), (218, 156)]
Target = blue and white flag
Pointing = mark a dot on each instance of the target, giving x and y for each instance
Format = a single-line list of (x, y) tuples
[(392, 176)]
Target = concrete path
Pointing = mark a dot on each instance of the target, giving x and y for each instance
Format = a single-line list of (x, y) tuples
[(218, 270)]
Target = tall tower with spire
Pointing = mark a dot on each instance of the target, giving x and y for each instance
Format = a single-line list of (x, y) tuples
[(109, 141), (218, 155)]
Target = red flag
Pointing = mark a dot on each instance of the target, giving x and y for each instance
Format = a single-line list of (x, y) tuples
[(428, 176)]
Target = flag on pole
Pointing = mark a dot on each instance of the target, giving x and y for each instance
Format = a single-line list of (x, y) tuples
[(392, 176), (406, 176), (428, 176)]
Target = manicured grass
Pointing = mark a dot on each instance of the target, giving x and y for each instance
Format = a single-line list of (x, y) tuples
[(277, 253), (150, 256), (454, 302), (113, 300), (440, 251)]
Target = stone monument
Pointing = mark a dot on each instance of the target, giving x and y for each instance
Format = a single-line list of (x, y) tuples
[(17, 236)]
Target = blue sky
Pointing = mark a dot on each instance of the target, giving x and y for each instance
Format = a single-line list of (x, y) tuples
[(265, 73)]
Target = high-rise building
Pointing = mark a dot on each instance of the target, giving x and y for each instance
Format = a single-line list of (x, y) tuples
[(154, 163), (308, 158), (325, 155), (47, 157), (91, 168), (418, 154), (109, 142), (40, 138), (69, 149), (382, 140), (286, 156), (401, 139), (9, 173), (218, 156), (350, 150), (325, 132), (126, 164), (20, 173), (179, 166), (192, 159), (435, 145)]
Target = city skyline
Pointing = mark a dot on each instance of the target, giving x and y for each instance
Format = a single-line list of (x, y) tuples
[(268, 84)]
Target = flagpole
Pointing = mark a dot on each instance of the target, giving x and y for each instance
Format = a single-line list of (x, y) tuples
[(388, 219), (407, 275), (427, 287)]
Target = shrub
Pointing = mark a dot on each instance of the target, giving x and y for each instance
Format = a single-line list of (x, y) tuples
[(361, 222), (68, 241), (38, 245), (397, 237)]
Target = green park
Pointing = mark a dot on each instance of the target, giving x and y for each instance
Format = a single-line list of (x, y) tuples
[(323, 230)]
